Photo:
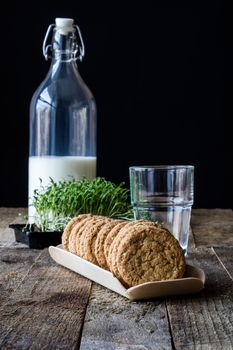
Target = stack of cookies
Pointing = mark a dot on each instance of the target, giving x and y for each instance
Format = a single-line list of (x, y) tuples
[(134, 251)]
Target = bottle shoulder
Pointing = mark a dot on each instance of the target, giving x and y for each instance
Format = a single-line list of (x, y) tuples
[(67, 86)]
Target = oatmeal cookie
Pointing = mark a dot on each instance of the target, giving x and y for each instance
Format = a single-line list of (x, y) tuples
[(109, 240), (117, 240), (88, 238), (149, 253), (68, 229), (75, 234), (100, 240)]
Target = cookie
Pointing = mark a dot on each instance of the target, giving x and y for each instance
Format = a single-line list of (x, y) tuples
[(88, 238), (68, 228), (100, 240), (76, 231), (148, 253), (109, 240), (80, 231), (117, 240)]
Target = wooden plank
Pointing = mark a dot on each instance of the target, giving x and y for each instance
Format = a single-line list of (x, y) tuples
[(14, 265), (212, 227), (47, 310), (45, 307), (204, 320), (113, 322), (225, 255)]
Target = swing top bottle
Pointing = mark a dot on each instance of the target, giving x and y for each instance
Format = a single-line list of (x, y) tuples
[(62, 114)]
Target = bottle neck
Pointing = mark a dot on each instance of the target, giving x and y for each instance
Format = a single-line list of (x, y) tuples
[(64, 47)]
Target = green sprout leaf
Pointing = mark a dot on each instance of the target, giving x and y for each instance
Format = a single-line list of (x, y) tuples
[(58, 202)]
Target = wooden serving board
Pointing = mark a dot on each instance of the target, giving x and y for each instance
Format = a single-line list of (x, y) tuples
[(192, 282)]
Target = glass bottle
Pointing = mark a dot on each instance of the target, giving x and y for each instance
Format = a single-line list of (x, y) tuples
[(62, 114)]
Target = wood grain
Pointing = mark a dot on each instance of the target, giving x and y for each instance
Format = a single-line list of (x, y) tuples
[(14, 266), (43, 305), (205, 320), (212, 227), (225, 256), (113, 322), (47, 310)]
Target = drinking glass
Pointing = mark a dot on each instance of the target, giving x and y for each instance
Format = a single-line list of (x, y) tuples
[(164, 194)]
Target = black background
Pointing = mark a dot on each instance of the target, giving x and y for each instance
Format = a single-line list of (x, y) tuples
[(158, 74)]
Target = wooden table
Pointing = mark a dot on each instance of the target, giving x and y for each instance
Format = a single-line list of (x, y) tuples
[(45, 306)]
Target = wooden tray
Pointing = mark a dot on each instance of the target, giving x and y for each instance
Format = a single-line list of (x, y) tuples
[(192, 282)]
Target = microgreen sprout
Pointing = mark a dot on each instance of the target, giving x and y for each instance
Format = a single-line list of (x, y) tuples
[(58, 202)]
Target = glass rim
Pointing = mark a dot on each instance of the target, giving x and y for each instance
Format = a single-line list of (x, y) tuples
[(161, 167)]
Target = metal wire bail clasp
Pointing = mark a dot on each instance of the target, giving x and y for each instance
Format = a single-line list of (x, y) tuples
[(81, 48), (47, 49)]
